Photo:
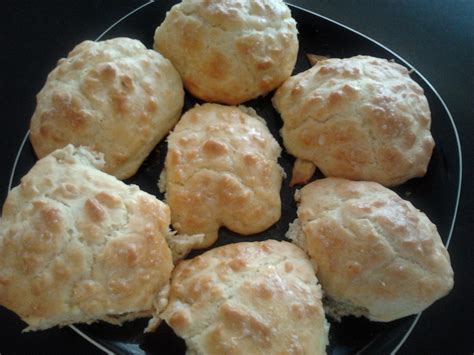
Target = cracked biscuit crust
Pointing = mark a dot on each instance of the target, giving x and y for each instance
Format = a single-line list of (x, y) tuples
[(373, 250), (360, 118), (248, 298), (115, 96), (222, 170), (229, 51), (78, 245)]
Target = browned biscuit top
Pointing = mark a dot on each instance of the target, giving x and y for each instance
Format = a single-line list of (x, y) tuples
[(222, 170), (360, 118), (229, 51), (248, 298), (115, 96), (78, 245), (374, 251)]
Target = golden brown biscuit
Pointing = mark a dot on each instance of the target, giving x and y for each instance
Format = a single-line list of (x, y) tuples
[(222, 170), (78, 245), (376, 254), (248, 298), (360, 118), (115, 96), (229, 51)]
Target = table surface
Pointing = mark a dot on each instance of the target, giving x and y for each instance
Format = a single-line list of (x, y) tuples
[(435, 36)]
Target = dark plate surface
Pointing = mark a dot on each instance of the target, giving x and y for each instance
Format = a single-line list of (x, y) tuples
[(436, 194)]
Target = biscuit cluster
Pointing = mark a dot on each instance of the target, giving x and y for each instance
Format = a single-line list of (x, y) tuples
[(77, 245)]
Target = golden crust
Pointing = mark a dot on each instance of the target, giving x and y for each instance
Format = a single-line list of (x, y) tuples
[(222, 170), (303, 171), (374, 251), (229, 51), (248, 298), (115, 96), (360, 118), (78, 245)]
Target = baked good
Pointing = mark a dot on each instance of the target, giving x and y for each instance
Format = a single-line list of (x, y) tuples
[(248, 298), (78, 245), (221, 170), (376, 255), (360, 118), (229, 51), (115, 96)]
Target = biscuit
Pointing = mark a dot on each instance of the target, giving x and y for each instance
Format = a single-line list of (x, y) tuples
[(248, 298), (221, 170), (360, 118), (115, 96), (229, 51), (78, 245), (376, 255)]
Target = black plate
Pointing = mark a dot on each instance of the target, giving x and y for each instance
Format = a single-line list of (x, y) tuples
[(437, 194)]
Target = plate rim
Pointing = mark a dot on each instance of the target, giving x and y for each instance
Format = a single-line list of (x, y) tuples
[(453, 124), (98, 345)]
